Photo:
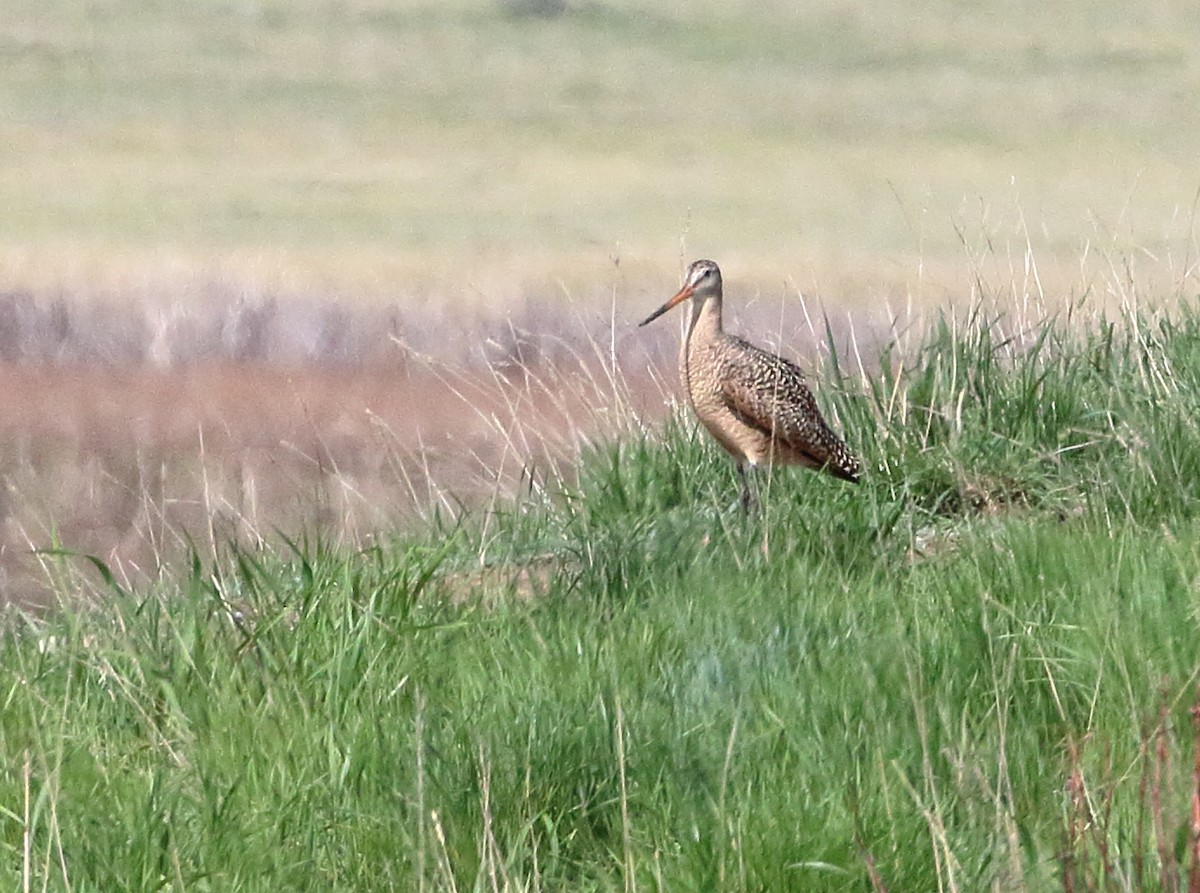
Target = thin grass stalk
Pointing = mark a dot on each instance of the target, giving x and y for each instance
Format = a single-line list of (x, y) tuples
[(419, 747), (860, 844), (26, 836), (1139, 846), (929, 804), (1194, 825), (1100, 826), (1168, 869), (725, 770), (1003, 793), (489, 849), (1072, 833), (626, 828), (443, 852)]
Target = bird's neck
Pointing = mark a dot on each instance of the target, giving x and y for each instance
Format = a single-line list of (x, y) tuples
[(706, 318)]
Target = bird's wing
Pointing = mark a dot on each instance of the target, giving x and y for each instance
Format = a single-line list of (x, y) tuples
[(769, 393)]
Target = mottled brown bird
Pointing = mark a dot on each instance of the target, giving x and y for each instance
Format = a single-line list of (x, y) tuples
[(754, 403)]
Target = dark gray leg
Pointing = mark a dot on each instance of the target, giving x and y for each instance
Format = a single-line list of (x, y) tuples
[(749, 503)]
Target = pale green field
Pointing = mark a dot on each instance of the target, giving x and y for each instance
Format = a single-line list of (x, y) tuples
[(387, 147)]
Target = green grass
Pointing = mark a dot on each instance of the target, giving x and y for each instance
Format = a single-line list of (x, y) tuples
[(954, 673), (378, 144)]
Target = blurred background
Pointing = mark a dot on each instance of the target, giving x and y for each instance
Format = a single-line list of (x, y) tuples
[(330, 265)]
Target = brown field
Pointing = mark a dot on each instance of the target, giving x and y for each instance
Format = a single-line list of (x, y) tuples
[(132, 465), (136, 465)]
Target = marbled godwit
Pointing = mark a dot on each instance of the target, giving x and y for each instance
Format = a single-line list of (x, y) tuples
[(754, 403)]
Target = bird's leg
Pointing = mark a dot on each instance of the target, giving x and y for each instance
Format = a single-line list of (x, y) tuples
[(749, 503)]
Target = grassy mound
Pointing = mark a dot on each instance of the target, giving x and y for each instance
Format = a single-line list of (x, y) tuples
[(972, 671)]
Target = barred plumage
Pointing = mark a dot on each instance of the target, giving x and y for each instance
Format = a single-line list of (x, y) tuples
[(754, 403)]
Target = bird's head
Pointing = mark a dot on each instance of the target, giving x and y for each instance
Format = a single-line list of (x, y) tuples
[(703, 280)]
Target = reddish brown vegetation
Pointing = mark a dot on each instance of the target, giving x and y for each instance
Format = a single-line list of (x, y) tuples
[(1091, 834), (129, 463)]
